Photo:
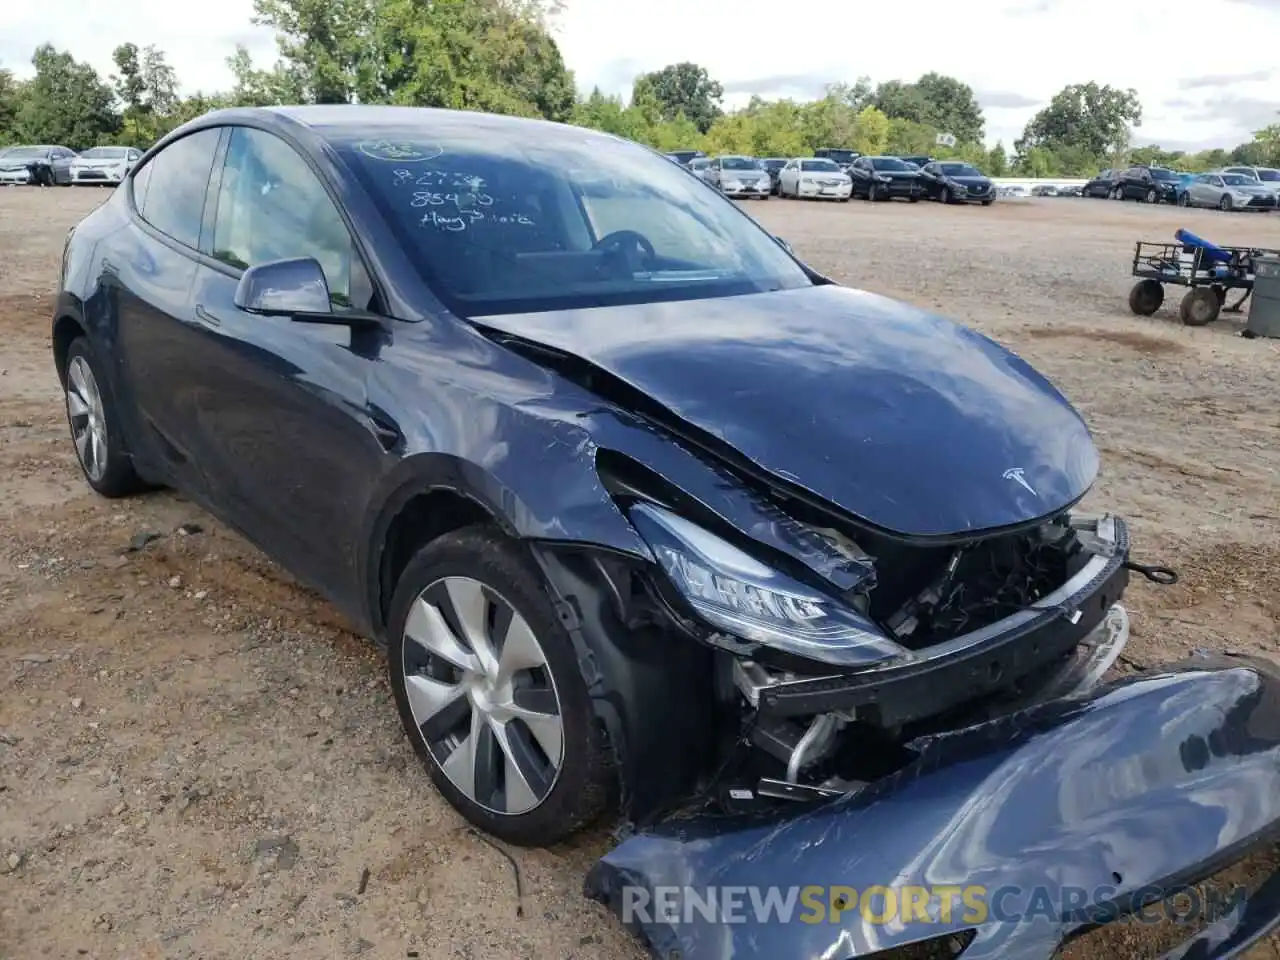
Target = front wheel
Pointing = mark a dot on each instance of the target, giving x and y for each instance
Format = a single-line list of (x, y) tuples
[(1225, 203), (944, 196), (873, 193), (1117, 194), (1146, 297), (488, 688), (1152, 196), (1184, 199)]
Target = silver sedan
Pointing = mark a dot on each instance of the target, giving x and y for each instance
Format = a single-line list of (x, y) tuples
[(1226, 191)]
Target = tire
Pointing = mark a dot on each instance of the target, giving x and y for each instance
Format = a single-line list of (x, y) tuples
[(944, 196), (479, 569), (987, 203), (1225, 204), (1199, 307), (913, 199), (1146, 297), (1184, 199), (96, 434), (1117, 194), (873, 193), (1152, 196)]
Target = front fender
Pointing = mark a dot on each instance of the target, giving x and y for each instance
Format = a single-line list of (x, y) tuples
[(1080, 806)]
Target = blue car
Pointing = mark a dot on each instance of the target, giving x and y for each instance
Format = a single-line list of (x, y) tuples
[(648, 514)]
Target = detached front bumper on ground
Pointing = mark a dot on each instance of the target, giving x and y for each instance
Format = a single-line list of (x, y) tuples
[(1039, 826)]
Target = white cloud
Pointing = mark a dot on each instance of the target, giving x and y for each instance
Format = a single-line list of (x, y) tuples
[(1015, 53)]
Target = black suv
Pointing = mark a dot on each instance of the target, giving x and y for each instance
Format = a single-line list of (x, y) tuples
[(1148, 184), (844, 158)]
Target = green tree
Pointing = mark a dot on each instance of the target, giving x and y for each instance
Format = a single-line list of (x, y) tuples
[(682, 88), (66, 102), (1085, 116), (10, 101), (951, 107), (1268, 141), (147, 86), (997, 161), (870, 131), (901, 101)]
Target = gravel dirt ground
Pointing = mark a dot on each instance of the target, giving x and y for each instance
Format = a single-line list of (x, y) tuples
[(198, 759)]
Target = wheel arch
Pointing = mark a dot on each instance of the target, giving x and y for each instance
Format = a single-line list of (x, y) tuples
[(68, 325)]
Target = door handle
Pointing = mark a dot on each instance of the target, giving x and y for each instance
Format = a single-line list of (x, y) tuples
[(386, 433), (204, 316)]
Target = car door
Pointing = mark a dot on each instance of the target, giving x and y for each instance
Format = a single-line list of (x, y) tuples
[(284, 427), (930, 179), (860, 173), (150, 266), (787, 177)]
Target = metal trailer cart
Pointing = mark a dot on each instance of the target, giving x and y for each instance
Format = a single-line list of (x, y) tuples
[(1207, 270)]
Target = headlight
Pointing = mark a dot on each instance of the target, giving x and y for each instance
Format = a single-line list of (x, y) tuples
[(732, 184), (883, 179), (734, 592), (959, 187)]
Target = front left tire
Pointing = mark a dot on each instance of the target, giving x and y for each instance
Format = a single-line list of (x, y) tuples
[(95, 427), (487, 685)]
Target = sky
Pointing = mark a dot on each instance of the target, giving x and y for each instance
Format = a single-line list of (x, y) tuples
[(1197, 92)]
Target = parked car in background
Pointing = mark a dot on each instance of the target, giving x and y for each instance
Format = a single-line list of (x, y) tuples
[(918, 160), (844, 158), (740, 177), (699, 166), (104, 164), (773, 166), (814, 178), (42, 165), (1146, 183), (1267, 176), (1227, 191), (684, 157), (954, 181), (883, 178), (1100, 186)]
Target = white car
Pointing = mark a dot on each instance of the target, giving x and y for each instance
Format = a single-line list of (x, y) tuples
[(104, 164), (816, 178), (1264, 176)]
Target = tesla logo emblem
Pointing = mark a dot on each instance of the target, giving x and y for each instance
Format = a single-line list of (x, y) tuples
[(1015, 474)]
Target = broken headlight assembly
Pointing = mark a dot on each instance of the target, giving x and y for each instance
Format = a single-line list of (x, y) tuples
[(733, 592)]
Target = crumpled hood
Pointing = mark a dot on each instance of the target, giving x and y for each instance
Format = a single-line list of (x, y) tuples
[(897, 416), (1068, 806)]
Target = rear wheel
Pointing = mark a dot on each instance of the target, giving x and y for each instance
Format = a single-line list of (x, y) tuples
[(1146, 297), (1117, 194), (488, 688), (1199, 307), (95, 428)]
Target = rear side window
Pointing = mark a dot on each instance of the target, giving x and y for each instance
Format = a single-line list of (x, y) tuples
[(173, 186)]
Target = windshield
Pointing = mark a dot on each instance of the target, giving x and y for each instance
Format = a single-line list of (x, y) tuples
[(739, 163), (1269, 176), (26, 152), (105, 153), (1160, 173), (819, 166), (959, 170), (1236, 180), (531, 218), (890, 163)]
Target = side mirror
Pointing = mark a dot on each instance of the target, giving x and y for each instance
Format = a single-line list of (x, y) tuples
[(784, 245), (284, 288)]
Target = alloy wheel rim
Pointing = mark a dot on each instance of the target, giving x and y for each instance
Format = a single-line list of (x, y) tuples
[(88, 418), (482, 696)]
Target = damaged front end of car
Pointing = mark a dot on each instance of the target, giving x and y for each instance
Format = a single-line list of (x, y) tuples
[(1019, 838)]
